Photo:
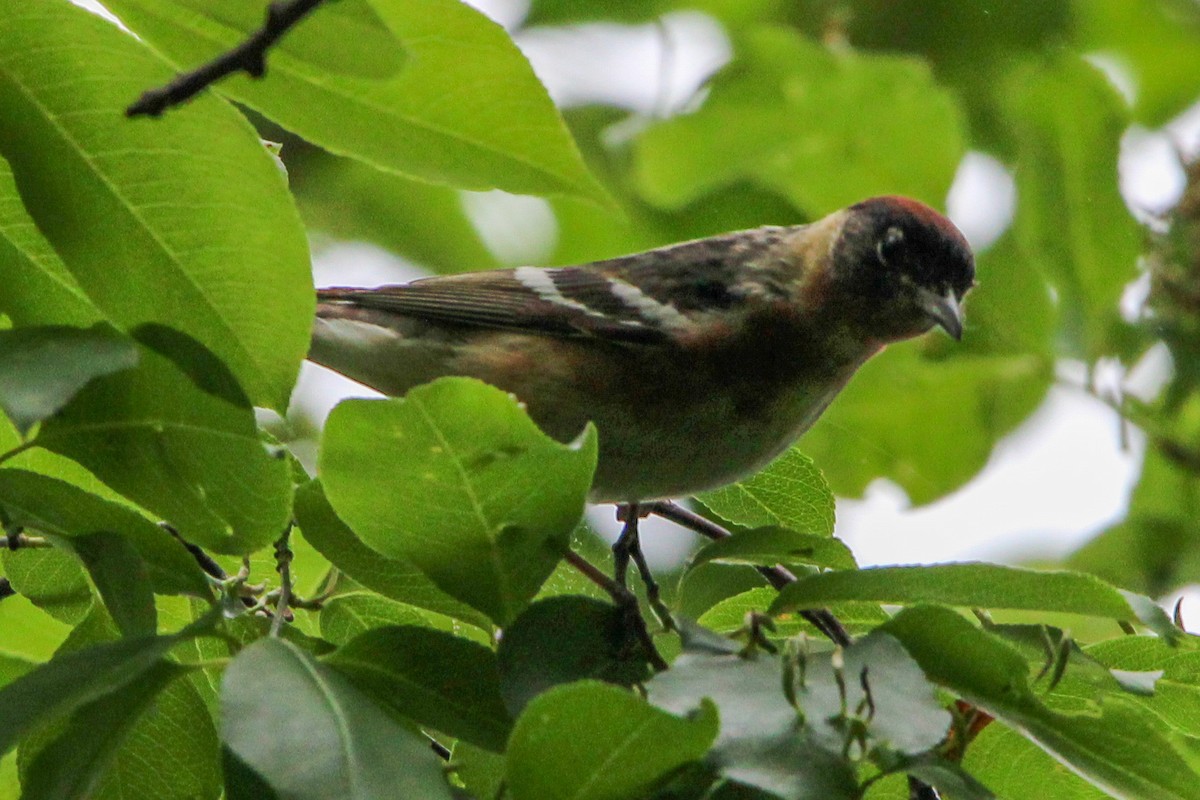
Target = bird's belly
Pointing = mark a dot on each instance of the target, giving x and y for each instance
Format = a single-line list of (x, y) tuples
[(703, 446)]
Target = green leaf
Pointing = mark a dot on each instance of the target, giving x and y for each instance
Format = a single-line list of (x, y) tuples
[(456, 478), (729, 615), (122, 579), (354, 613), (353, 201), (129, 745), (927, 423), (593, 741), (1071, 221), (38, 287), (1159, 42), (790, 492), (13, 667), (902, 719), (500, 131), (241, 782), (1155, 549), (1176, 696), (775, 545), (30, 637), (1071, 680), (822, 127), (82, 676), (1124, 750), (976, 585), (481, 772), (309, 733), (177, 436), (907, 716), (950, 779), (183, 221), (54, 507), (564, 12), (763, 742), (51, 579), (42, 368), (396, 578), (564, 639), (437, 680), (1013, 766)]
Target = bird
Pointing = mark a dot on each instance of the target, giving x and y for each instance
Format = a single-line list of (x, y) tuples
[(698, 363)]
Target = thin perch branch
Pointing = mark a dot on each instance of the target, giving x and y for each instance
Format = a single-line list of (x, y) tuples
[(250, 57), (23, 541), (625, 600), (778, 576)]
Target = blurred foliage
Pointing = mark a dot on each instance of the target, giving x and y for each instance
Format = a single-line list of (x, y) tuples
[(153, 282)]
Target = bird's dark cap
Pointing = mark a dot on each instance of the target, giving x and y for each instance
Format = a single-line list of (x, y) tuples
[(935, 253)]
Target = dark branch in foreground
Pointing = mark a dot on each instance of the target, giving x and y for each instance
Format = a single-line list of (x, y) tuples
[(203, 559), (250, 57), (18, 540), (777, 576), (625, 600), (6, 589)]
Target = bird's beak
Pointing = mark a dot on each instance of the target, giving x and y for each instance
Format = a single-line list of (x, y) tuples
[(942, 309)]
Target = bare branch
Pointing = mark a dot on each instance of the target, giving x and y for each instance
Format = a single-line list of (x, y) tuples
[(777, 575), (625, 600), (250, 57)]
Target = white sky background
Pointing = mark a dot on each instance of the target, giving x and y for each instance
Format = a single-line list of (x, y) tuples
[(1051, 485)]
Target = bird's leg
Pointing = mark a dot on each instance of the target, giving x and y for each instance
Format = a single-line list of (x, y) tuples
[(627, 543), (626, 601), (629, 546)]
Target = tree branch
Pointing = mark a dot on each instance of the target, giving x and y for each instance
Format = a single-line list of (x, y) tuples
[(250, 57), (22, 541), (778, 576), (283, 565), (203, 559), (625, 600)]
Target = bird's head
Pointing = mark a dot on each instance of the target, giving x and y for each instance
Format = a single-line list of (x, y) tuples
[(903, 267)]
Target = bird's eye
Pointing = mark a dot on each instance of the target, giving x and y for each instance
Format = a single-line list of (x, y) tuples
[(890, 247)]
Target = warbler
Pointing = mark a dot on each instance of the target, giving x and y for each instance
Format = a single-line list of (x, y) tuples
[(698, 362)]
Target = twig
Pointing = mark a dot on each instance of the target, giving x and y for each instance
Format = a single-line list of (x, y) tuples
[(918, 790), (250, 57), (328, 590), (203, 559), (283, 565), (439, 749), (625, 600), (778, 576), (22, 541)]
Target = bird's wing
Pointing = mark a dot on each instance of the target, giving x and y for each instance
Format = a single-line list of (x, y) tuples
[(643, 298)]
